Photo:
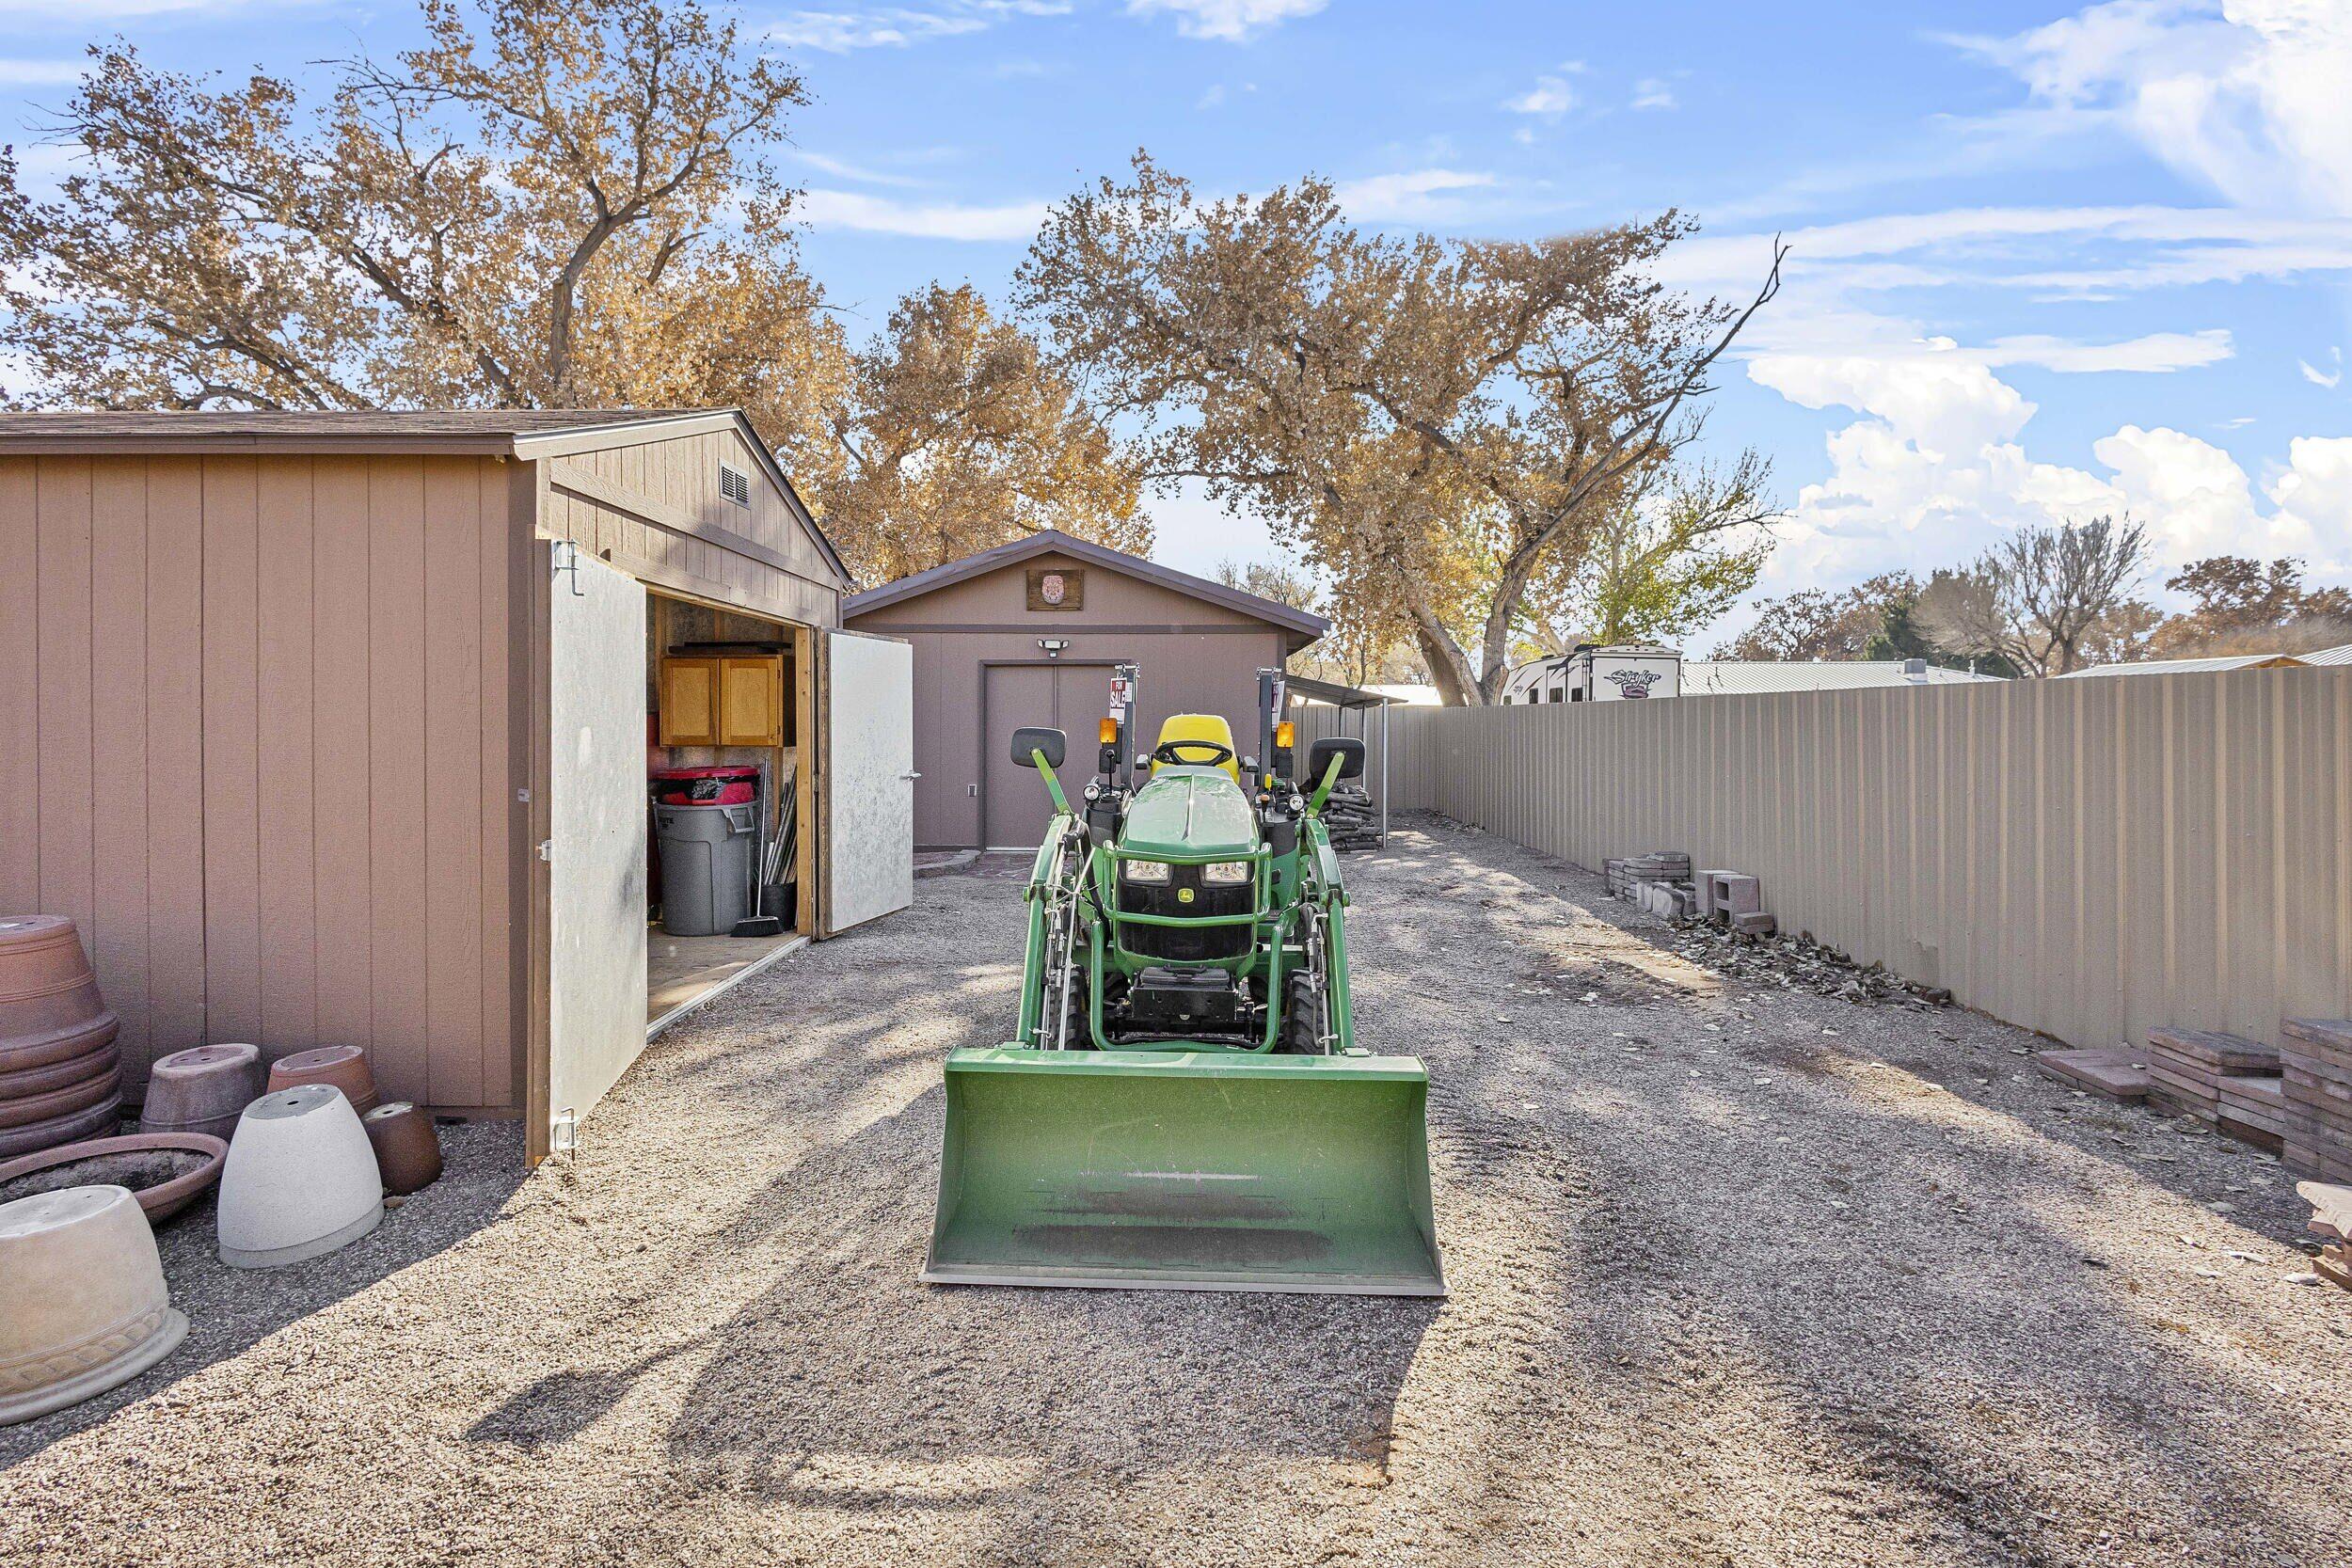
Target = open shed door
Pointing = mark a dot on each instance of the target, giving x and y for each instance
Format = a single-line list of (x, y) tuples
[(596, 848), (868, 770)]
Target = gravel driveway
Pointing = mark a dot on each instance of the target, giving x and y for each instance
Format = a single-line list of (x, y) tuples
[(1742, 1274)]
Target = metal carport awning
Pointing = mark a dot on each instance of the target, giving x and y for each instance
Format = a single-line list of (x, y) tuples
[(1332, 694)]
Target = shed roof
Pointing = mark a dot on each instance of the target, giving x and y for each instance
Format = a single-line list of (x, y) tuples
[(1054, 542), (2191, 666), (525, 433), (2330, 655)]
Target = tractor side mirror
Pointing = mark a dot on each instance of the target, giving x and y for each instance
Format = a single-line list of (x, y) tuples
[(1028, 742), (1349, 750)]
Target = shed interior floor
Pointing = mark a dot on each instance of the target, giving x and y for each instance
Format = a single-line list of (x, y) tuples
[(683, 970)]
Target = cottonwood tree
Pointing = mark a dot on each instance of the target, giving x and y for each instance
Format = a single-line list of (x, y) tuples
[(1817, 623), (551, 203), (2039, 598), (2242, 606), (958, 435), (1368, 639), (1446, 417), (1660, 565)]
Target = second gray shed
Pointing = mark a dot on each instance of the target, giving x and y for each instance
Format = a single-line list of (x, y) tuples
[(1028, 633)]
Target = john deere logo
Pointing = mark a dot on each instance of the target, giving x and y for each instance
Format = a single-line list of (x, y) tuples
[(1633, 683), (1183, 895)]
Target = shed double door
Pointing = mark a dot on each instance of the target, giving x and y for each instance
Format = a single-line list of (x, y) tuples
[(1067, 697)]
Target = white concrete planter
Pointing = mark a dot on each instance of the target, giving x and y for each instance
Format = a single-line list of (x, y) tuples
[(82, 1306), (300, 1182)]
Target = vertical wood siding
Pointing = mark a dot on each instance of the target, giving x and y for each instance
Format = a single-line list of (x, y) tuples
[(2086, 858), (261, 746)]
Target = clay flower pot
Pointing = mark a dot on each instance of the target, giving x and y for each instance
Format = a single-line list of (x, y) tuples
[(82, 1306), (25, 1082), (300, 1180), (60, 1075), (106, 1157), (98, 1122), (204, 1089), (104, 1089), (408, 1149), (345, 1067)]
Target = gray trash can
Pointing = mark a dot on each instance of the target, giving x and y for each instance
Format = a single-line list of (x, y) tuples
[(706, 866)]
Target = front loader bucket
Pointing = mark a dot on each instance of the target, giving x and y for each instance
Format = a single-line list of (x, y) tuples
[(1185, 1170)]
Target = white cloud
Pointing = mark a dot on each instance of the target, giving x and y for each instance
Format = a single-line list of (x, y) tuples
[(1229, 20), (841, 169), (2317, 377), (1936, 468), (877, 214), (895, 27), (1650, 92), (34, 73), (2247, 96), (1550, 97), (2155, 353), (1420, 195)]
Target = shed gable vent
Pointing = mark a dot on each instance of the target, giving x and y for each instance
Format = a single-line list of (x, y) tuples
[(735, 484)]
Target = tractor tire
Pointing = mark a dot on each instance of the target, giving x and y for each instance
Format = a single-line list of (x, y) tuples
[(1074, 1007), (1302, 1016)]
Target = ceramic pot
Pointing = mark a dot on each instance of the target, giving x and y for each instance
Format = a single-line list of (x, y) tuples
[(98, 1122), (345, 1067), (26, 1082), (408, 1149), (300, 1180), (160, 1201), (204, 1089), (47, 988), (104, 1089), (82, 1306), (60, 1075)]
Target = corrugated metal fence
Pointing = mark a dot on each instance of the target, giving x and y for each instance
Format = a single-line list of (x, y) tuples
[(2084, 858)]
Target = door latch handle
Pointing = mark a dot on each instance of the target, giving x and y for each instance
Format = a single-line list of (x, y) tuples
[(909, 775)]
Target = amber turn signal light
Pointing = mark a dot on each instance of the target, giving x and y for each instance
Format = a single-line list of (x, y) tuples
[(1285, 733), (1106, 731)]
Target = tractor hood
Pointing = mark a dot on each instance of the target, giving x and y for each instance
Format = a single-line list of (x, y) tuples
[(1191, 811)]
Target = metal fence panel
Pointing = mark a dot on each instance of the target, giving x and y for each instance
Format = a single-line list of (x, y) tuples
[(2088, 859)]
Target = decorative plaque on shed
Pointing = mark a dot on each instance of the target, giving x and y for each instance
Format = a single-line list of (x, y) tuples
[(1058, 588)]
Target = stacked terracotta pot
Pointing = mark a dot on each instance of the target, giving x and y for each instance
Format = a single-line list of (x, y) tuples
[(60, 1074)]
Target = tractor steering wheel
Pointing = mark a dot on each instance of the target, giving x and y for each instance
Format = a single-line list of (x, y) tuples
[(1169, 752)]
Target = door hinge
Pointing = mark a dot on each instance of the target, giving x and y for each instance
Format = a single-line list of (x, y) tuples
[(563, 1132), (546, 849)]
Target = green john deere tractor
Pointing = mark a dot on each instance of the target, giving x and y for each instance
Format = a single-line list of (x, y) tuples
[(1185, 1106)]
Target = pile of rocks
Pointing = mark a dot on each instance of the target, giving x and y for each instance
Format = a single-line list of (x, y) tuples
[(1799, 963)]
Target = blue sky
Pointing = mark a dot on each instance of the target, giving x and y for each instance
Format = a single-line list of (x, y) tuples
[(2049, 259)]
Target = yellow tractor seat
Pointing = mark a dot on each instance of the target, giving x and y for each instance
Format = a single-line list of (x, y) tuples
[(1202, 726)]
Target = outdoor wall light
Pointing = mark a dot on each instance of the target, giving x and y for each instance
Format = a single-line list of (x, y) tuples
[(1053, 645)]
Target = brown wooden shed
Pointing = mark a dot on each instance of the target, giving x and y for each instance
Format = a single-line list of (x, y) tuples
[(336, 727), (1028, 633)]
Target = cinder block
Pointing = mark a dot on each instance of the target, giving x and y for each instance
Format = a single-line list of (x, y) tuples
[(1753, 922), (1734, 894), (1703, 885)]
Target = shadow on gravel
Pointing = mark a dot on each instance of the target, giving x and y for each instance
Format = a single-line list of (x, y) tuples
[(1934, 1309), (231, 1309)]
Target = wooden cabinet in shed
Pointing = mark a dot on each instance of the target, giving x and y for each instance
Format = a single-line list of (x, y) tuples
[(723, 700)]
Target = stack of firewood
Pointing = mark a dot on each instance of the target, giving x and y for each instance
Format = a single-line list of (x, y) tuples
[(2316, 1061)]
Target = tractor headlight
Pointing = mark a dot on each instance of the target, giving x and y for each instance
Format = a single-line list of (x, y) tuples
[(1147, 871), (1225, 873)]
